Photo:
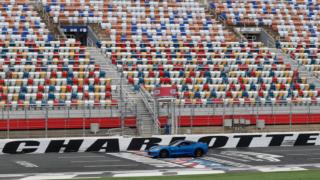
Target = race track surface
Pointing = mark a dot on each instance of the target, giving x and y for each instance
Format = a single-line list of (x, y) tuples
[(80, 165)]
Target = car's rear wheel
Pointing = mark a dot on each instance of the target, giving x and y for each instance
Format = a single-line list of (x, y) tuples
[(164, 154), (198, 153)]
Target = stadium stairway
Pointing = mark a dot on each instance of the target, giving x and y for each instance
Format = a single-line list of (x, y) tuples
[(53, 28), (238, 35), (303, 72), (134, 99), (100, 32)]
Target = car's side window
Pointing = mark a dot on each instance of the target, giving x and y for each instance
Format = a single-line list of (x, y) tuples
[(185, 144)]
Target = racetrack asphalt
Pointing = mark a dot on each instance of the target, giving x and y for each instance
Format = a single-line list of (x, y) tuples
[(105, 165)]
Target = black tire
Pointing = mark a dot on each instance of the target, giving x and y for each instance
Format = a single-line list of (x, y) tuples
[(198, 153), (164, 154)]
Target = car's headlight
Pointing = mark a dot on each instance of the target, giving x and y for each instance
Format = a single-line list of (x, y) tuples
[(154, 148)]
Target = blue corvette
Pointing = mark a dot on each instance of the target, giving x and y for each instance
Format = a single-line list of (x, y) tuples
[(179, 148)]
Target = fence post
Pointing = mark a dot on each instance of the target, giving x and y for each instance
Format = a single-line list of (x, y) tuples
[(8, 122), (125, 113), (46, 122), (83, 121), (192, 116), (68, 108), (90, 113), (224, 111), (2, 115), (175, 116), (290, 123), (309, 113), (272, 112), (213, 114), (26, 119), (179, 115)]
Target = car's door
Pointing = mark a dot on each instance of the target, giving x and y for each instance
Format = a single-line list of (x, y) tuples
[(184, 148), (175, 150)]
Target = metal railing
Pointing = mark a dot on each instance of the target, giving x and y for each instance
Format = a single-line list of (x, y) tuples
[(59, 121), (277, 117), (150, 104), (63, 121)]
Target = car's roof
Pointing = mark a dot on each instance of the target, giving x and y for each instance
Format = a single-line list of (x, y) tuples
[(184, 141)]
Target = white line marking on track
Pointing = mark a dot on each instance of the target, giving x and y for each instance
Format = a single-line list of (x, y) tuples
[(177, 172), (91, 177), (287, 150), (73, 157), (142, 174), (200, 172), (26, 164), (48, 177), (11, 175), (120, 165), (111, 160), (279, 169)]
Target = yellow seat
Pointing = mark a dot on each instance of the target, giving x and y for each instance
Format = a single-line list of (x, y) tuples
[(63, 89)]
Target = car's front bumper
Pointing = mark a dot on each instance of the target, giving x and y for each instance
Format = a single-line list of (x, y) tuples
[(153, 153)]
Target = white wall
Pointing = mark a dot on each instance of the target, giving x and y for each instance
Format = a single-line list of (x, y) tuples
[(116, 144)]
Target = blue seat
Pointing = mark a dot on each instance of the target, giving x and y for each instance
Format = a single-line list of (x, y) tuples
[(22, 96), (197, 95), (52, 88), (51, 96), (74, 95), (91, 88)]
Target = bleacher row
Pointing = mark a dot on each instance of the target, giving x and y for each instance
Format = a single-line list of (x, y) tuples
[(37, 71), (19, 21), (53, 74), (176, 43), (205, 66), (296, 22)]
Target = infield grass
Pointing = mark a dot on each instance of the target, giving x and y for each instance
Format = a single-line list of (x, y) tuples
[(297, 175)]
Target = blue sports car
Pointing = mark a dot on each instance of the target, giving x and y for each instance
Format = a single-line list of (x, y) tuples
[(179, 148)]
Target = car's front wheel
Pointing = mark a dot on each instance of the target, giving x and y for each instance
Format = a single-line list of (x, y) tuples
[(164, 154), (198, 153)]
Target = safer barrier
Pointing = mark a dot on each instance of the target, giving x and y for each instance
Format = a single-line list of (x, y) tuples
[(278, 119), (64, 123), (118, 143)]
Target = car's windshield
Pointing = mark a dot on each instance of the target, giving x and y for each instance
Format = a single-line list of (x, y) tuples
[(175, 143)]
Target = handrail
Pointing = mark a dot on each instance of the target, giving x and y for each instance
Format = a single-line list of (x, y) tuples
[(146, 97)]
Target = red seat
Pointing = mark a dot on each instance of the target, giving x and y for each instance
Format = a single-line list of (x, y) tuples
[(108, 95), (39, 96), (69, 88), (40, 88), (30, 82)]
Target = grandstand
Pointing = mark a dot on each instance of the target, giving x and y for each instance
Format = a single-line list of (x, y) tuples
[(66, 64)]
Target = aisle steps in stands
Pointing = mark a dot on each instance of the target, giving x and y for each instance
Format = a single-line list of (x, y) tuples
[(53, 28), (303, 72), (143, 115)]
